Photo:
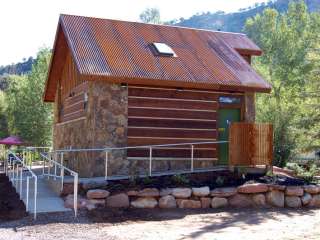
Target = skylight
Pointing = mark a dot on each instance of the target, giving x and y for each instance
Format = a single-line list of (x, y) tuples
[(163, 49)]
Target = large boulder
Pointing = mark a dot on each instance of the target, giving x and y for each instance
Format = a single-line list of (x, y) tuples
[(218, 202), (277, 187), (132, 193), (294, 191), (275, 198), (167, 201), (181, 192), (306, 198), (312, 189), (315, 201), (186, 203), (120, 200), (165, 192), (144, 202), (149, 192), (223, 192), (201, 192), (69, 202), (205, 202), (97, 202), (253, 188), (240, 201), (97, 194), (259, 199), (293, 201)]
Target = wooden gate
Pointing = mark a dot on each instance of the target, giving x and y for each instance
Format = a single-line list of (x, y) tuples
[(250, 144)]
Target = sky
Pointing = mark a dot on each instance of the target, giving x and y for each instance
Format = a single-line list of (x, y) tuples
[(28, 25)]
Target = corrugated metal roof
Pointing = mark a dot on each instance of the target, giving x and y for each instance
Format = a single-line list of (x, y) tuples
[(120, 51)]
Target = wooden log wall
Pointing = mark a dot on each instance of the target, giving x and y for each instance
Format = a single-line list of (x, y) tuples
[(72, 93), (164, 116), (250, 144)]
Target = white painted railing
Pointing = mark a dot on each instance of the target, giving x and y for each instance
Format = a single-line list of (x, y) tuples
[(50, 161), (107, 151), (18, 171)]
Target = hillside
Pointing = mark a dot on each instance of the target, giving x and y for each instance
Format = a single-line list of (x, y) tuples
[(234, 22)]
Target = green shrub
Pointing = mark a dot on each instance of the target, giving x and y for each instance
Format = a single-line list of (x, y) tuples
[(180, 179), (307, 173)]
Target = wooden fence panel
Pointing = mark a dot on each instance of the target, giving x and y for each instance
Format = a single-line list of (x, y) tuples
[(250, 144)]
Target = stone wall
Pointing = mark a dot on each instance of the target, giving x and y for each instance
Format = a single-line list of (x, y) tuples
[(105, 125), (245, 196)]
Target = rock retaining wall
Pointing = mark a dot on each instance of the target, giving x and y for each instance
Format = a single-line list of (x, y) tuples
[(245, 196)]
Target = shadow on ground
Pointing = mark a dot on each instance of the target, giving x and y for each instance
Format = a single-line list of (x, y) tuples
[(212, 220)]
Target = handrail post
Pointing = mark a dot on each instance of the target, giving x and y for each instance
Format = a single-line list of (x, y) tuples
[(192, 156), (50, 157), (75, 194), (62, 171), (27, 204), (106, 165), (13, 174), (150, 161), (20, 190), (35, 197), (43, 164)]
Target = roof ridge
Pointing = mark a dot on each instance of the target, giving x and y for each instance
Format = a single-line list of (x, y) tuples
[(161, 25)]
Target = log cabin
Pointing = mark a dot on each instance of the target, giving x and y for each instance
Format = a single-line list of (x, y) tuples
[(117, 83)]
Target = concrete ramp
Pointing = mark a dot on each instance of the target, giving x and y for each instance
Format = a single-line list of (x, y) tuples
[(47, 199)]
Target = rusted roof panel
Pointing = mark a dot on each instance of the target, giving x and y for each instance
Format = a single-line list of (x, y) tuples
[(112, 49)]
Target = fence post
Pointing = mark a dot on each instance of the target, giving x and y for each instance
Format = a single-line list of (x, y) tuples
[(192, 154), (106, 165), (150, 161)]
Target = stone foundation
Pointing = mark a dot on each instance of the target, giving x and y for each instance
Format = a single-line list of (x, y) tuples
[(255, 195)]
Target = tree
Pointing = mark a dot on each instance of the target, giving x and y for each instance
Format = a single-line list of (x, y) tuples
[(28, 116), (150, 15), (288, 40)]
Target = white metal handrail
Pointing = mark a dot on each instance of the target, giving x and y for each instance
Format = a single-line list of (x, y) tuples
[(12, 167), (50, 159), (150, 147)]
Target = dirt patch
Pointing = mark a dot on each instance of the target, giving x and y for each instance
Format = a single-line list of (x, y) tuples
[(11, 207)]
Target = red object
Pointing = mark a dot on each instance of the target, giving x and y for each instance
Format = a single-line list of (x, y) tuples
[(12, 140)]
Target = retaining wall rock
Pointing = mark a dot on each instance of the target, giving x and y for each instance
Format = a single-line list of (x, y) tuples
[(246, 196)]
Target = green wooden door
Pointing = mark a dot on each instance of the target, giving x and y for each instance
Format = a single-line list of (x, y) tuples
[(226, 116)]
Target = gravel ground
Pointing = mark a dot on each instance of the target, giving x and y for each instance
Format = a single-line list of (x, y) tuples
[(174, 224)]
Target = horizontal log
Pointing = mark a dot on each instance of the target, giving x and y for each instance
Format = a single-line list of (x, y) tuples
[(165, 113), (73, 108), (178, 104), (73, 116), (169, 123), (172, 153), (147, 141), (172, 93), (72, 100), (172, 133)]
